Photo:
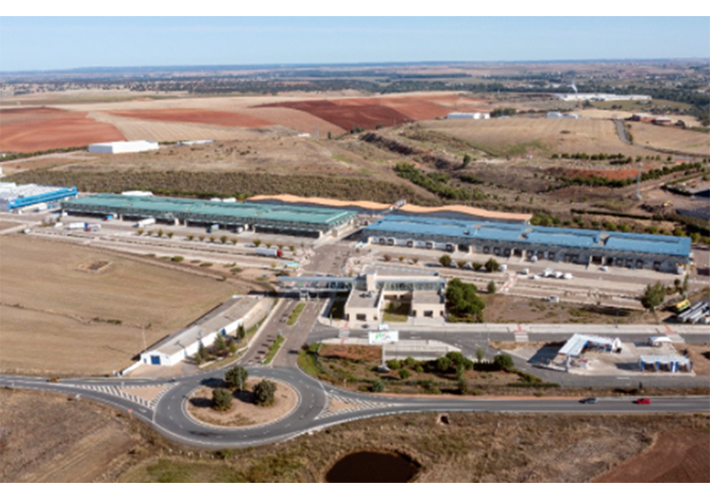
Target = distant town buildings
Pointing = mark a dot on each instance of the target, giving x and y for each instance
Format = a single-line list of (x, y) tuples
[(478, 115), (579, 97)]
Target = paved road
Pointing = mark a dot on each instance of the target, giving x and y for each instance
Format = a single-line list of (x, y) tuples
[(315, 411)]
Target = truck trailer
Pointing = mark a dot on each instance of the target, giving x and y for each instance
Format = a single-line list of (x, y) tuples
[(269, 252), (145, 222)]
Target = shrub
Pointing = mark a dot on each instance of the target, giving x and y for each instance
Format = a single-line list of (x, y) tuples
[(221, 399), (443, 364), (177, 258), (503, 361), (491, 287), (404, 374), (445, 260), (264, 393), (394, 364), (377, 385), (236, 377), (492, 265)]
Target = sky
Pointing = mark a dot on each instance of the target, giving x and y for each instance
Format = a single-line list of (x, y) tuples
[(50, 43)]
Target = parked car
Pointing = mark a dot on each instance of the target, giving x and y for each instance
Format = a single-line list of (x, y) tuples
[(604, 268), (642, 401), (525, 271), (589, 401)]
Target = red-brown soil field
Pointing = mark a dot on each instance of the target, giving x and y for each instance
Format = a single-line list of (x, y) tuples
[(386, 111), (25, 130), (209, 117), (675, 457)]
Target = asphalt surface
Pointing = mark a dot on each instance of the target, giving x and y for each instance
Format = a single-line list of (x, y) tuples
[(312, 413)]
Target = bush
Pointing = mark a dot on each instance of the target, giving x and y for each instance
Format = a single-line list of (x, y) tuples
[(503, 361), (491, 287), (394, 364), (177, 258), (234, 376), (377, 385), (445, 260), (443, 364), (404, 374), (221, 399), (492, 265), (264, 393)]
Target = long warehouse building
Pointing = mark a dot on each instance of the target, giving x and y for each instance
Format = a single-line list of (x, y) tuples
[(312, 222), (26, 196), (580, 246)]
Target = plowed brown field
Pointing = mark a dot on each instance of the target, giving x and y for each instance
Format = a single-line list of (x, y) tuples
[(386, 111), (209, 117), (26, 130), (676, 457)]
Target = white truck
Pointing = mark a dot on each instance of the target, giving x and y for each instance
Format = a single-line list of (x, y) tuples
[(145, 222), (75, 225)]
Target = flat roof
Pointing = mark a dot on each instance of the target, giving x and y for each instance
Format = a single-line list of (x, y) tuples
[(663, 359), (230, 311), (203, 208), (462, 230), (577, 342), (427, 297)]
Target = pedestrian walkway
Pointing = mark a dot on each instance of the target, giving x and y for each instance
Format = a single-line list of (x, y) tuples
[(144, 395), (337, 404)]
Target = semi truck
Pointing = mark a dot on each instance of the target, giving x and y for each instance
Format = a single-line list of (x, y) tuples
[(76, 225), (269, 252), (92, 227), (145, 222)]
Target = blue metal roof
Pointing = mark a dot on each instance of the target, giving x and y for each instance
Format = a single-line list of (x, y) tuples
[(662, 245), (557, 236)]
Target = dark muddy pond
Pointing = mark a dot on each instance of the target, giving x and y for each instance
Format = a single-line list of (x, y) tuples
[(371, 467)]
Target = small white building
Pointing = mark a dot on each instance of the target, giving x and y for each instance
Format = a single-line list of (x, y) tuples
[(478, 115), (123, 147), (224, 320)]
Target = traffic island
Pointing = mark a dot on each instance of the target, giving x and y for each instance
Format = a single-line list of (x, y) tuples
[(243, 411)]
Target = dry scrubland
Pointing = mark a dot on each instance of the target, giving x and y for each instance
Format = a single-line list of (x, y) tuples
[(47, 437), (671, 138), (59, 317), (537, 136)]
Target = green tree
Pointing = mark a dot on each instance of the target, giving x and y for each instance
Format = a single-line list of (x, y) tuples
[(171, 234), (443, 364), (462, 385), (394, 364), (221, 399), (479, 354), (445, 260), (461, 264), (236, 377), (234, 241), (241, 333), (264, 393), (160, 233), (201, 237), (212, 238), (140, 232), (491, 287), (504, 361), (463, 302), (404, 374), (466, 160), (377, 385), (190, 237), (292, 248), (219, 344), (223, 239), (231, 346), (492, 265), (653, 296), (257, 243), (202, 350)]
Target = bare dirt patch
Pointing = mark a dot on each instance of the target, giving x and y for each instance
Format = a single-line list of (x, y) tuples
[(46, 437), (681, 456), (210, 117), (350, 352), (56, 319), (244, 413), (26, 130), (671, 138), (94, 267), (700, 356)]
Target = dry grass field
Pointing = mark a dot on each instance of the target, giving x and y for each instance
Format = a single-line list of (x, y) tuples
[(671, 138), (58, 316), (536, 136), (47, 437), (44, 437)]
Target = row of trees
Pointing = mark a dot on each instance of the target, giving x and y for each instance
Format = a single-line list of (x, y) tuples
[(491, 264)]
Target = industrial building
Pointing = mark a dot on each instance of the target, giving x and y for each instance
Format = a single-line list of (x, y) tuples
[(224, 320), (580, 246), (477, 115), (311, 222), (123, 147), (27, 196), (368, 293), (579, 97)]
